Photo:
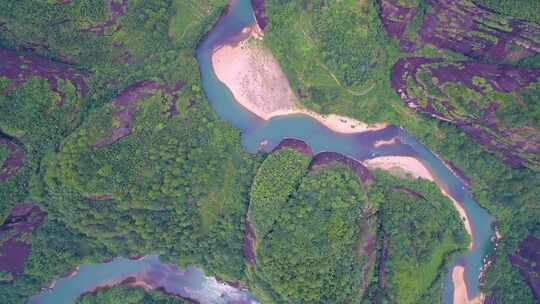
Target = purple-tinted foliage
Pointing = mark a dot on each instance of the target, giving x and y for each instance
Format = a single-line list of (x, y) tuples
[(325, 158), (463, 27), (527, 260), (18, 68), (126, 105), (23, 218), (295, 144), (249, 242), (260, 16), (14, 160), (368, 247), (490, 299), (100, 198), (503, 78), (117, 10), (13, 256), (174, 91), (395, 19), (485, 128)]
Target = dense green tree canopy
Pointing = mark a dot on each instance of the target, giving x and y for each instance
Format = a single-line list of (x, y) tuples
[(312, 254), (128, 295)]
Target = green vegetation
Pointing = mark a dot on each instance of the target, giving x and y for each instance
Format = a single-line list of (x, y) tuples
[(275, 181), (521, 9), (56, 250), (4, 153), (32, 114), (314, 250), (128, 295), (422, 230), (180, 186), (192, 20), (411, 32), (304, 37), (313, 254), (137, 48), (508, 194), (6, 277), (517, 114)]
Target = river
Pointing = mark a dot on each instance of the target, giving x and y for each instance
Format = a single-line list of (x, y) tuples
[(191, 282), (359, 146)]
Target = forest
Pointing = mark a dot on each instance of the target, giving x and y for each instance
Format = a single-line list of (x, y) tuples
[(128, 295), (507, 192), (108, 132), (520, 9), (324, 241)]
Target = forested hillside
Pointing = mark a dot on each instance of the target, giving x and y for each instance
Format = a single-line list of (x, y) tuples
[(334, 234), (85, 86), (468, 90), (110, 148), (128, 295)]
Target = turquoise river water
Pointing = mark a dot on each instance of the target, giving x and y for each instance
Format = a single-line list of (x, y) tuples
[(191, 282)]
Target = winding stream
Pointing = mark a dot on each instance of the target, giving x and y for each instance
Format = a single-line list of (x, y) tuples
[(148, 272), (360, 146), (191, 283)]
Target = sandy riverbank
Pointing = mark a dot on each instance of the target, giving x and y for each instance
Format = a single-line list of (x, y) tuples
[(402, 165), (258, 83), (460, 288)]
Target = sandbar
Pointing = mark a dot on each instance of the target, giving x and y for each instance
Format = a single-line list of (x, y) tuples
[(460, 288), (258, 83), (382, 142), (417, 169), (405, 164), (412, 166)]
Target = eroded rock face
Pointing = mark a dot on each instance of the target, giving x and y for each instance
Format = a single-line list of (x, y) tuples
[(395, 19), (126, 105), (14, 160), (248, 248), (18, 68), (527, 260), (478, 97), (260, 16), (296, 144), (325, 158), (463, 27), (23, 219), (117, 10)]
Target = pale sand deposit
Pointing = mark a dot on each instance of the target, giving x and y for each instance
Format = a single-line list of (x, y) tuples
[(460, 288), (416, 168), (381, 143), (142, 284), (402, 165), (258, 83)]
